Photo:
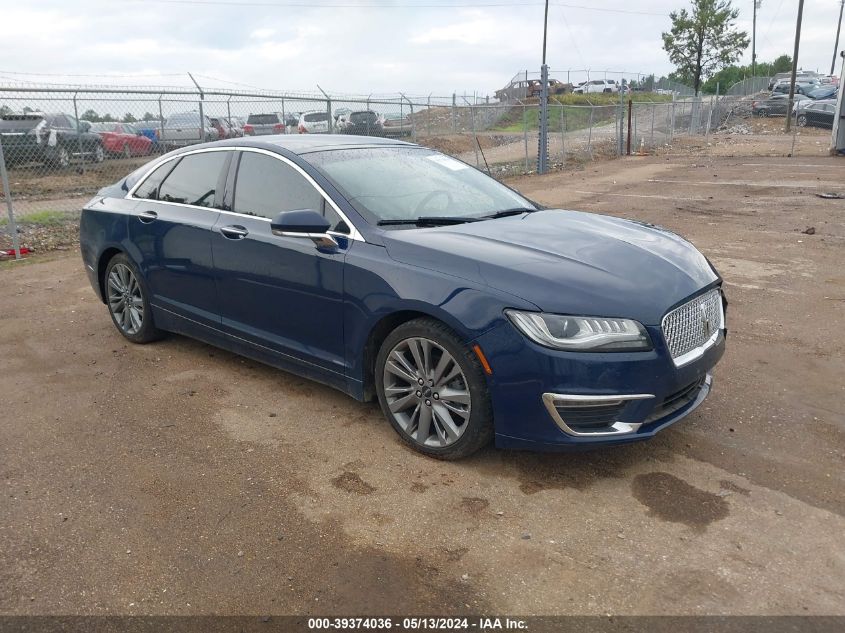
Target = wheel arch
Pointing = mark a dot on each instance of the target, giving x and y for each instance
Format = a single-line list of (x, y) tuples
[(102, 263), (380, 331)]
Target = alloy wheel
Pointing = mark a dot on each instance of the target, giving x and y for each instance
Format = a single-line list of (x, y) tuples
[(427, 392), (125, 300)]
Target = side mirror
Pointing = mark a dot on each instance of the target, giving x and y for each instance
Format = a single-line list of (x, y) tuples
[(304, 223)]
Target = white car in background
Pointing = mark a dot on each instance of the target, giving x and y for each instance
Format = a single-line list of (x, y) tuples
[(597, 85), (313, 122)]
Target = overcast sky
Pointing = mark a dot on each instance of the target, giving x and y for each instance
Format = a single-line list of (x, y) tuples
[(364, 46)]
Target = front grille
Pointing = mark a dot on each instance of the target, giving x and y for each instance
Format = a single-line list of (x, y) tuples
[(676, 401), (691, 325)]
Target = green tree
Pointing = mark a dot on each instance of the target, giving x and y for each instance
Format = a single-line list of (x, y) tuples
[(148, 116), (704, 40), (90, 115), (128, 118)]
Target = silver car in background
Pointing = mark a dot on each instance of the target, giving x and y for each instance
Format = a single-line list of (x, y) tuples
[(184, 129), (264, 124), (313, 122)]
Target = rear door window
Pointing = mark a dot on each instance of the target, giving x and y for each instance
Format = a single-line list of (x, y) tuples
[(194, 180)]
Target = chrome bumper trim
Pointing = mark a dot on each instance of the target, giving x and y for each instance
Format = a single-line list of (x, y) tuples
[(574, 400)]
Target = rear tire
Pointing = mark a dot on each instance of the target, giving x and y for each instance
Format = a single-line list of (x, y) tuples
[(802, 120), (127, 299), (449, 416)]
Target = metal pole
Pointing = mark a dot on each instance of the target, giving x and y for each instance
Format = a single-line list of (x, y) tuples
[(329, 109), (525, 133), (454, 114), (590, 133), (794, 66), (754, 39), (545, 29), (543, 132), (229, 111), (563, 135), (630, 110), (428, 115), (202, 114), (653, 113), (160, 124), (836, 45), (78, 133), (4, 178), (475, 138)]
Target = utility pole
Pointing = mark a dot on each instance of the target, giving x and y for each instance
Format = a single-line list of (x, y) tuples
[(757, 4), (794, 67), (836, 45), (543, 135)]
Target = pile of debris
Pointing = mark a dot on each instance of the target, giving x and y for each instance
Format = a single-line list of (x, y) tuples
[(739, 128)]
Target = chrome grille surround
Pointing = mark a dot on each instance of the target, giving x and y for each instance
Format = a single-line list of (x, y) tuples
[(692, 328)]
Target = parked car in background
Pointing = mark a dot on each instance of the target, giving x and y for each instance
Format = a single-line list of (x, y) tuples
[(264, 124), (775, 105), (365, 123), (396, 125), (341, 119), (236, 124), (802, 76), (313, 122), (224, 130), (123, 139), (597, 85), (817, 114), (390, 271), (51, 139), (148, 129), (824, 91), (801, 87), (185, 128)]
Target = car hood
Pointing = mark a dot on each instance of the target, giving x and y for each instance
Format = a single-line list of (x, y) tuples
[(565, 262)]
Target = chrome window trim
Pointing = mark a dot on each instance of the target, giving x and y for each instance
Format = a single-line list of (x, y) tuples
[(353, 234), (618, 428)]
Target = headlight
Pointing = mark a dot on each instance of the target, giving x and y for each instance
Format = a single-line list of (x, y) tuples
[(581, 334)]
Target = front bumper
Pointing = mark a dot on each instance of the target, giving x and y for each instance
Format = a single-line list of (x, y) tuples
[(545, 399)]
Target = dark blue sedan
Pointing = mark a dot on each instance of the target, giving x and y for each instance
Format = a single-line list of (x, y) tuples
[(391, 271)]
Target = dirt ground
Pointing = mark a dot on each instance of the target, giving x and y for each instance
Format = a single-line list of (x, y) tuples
[(176, 478)]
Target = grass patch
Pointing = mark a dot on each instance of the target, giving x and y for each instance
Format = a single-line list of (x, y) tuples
[(41, 218), (572, 111)]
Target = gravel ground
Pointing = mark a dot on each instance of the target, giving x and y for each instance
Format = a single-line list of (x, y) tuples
[(176, 478)]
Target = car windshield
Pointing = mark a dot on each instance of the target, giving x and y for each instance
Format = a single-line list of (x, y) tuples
[(404, 183)]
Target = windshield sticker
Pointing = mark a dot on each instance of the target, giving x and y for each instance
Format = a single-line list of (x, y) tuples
[(449, 163)]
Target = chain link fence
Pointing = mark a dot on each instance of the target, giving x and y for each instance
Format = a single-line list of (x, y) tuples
[(61, 144)]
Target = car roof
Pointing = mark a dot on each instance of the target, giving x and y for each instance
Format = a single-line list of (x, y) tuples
[(307, 143)]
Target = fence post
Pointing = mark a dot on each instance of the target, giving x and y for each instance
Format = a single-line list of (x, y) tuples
[(653, 113), (160, 124), (717, 105), (590, 133), (8, 193), (525, 134), (454, 113), (202, 113), (229, 111), (474, 137), (78, 133), (428, 115), (563, 135)]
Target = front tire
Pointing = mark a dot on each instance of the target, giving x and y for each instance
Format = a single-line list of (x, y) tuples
[(431, 388), (128, 301), (802, 120)]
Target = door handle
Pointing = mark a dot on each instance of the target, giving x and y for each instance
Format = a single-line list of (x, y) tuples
[(234, 232), (147, 216)]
